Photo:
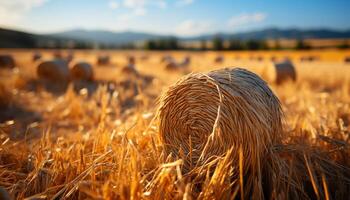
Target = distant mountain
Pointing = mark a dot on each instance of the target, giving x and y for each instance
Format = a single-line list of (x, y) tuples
[(275, 33), (87, 39), (106, 37), (109, 37)]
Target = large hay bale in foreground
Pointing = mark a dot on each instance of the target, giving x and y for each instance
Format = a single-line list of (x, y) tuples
[(280, 72), (204, 115), (54, 70), (7, 61), (82, 71)]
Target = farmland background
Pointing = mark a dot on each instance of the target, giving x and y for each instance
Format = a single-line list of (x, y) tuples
[(99, 138)]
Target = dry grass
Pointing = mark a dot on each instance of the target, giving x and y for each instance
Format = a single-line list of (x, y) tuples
[(103, 143)]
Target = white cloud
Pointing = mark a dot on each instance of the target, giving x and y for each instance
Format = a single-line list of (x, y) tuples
[(192, 27), (11, 11), (184, 2), (113, 5), (246, 18), (138, 8)]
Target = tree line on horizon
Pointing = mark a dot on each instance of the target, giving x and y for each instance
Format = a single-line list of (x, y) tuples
[(219, 44), (13, 39)]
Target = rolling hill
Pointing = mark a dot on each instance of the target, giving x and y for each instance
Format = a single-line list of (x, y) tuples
[(88, 38)]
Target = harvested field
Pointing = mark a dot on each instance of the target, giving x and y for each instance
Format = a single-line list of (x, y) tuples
[(103, 139)]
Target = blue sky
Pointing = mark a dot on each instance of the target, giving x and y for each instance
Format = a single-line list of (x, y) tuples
[(180, 17)]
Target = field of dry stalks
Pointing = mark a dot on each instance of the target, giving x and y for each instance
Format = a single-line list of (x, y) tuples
[(99, 140)]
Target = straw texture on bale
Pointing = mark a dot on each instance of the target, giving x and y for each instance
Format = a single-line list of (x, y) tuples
[(82, 71), (7, 61), (205, 115), (54, 70), (280, 72)]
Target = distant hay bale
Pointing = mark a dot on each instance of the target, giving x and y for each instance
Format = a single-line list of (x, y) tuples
[(130, 69), (273, 58), (103, 60), (259, 58), (172, 65), (308, 58), (131, 60), (204, 115), (82, 71), (219, 59), (280, 72), (36, 56), (167, 59), (186, 61), (7, 61), (54, 70), (58, 55)]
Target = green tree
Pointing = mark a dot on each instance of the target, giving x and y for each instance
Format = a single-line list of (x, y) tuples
[(301, 45), (218, 43), (235, 45)]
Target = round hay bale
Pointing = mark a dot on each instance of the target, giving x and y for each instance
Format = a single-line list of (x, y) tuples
[(171, 66), (130, 69), (7, 61), (273, 58), (186, 61), (131, 60), (347, 59), (57, 55), (280, 72), (308, 58), (103, 60), (219, 59), (204, 115), (259, 58), (54, 70), (36, 56), (82, 71), (166, 59)]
